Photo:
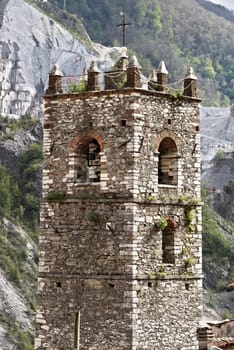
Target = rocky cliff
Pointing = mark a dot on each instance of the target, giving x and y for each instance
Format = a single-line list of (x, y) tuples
[(30, 44), (217, 138), (16, 300)]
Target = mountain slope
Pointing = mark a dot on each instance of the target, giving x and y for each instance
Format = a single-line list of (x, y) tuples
[(17, 292), (180, 32)]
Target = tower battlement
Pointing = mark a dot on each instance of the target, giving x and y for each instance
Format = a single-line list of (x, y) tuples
[(120, 242)]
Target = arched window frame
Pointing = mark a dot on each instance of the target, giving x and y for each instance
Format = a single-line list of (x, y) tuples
[(81, 160), (173, 157)]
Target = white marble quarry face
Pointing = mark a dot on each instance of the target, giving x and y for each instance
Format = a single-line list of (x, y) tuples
[(226, 3), (27, 55)]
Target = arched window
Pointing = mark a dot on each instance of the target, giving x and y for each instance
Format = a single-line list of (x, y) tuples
[(88, 161), (168, 162)]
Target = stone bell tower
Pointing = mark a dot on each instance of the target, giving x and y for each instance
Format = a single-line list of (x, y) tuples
[(120, 242)]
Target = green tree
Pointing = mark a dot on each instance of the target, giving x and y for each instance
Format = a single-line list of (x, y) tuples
[(5, 195), (29, 166)]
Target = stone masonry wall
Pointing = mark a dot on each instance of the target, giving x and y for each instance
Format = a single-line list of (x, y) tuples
[(168, 314), (129, 162), (86, 238), (105, 313), (102, 244)]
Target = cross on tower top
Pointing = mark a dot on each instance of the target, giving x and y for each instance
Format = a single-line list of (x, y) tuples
[(124, 24)]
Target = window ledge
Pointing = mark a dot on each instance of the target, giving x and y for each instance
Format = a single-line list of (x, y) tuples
[(167, 186), (86, 184)]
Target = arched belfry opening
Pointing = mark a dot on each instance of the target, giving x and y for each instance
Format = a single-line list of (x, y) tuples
[(87, 162), (168, 162)]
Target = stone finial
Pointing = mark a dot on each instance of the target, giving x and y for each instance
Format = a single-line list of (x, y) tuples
[(56, 71), (190, 74), (162, 68), (152, 80), (190, 83), (93, 67), (85, 75), (93, 77), (133, 63), (162, 77), (134, 73), (124, 52), (153, 76), (55, 81)]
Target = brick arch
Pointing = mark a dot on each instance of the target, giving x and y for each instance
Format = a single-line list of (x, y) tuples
[(87, 137), (167, 133)]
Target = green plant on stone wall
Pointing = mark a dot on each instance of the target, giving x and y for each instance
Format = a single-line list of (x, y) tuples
[(56, 195), (150, 198), (189, 218), (184, 251), (176, 93), (94, 216), (156, 274), (182, 199), (161, 224), (74, 87), (189, 262), (189, 200), (151, 275), (160, 274), (194, 201)]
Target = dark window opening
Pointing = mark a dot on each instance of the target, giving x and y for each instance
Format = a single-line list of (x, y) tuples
[(150, 284), (168, 242), (59, 284), (187, 286), (111, 285), (197, 128), (88, 161), (168, 162), (169, 121), (168, 247), (123, 122), (77, 331)]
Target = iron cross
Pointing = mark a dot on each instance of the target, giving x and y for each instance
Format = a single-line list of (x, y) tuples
[(123, 25)]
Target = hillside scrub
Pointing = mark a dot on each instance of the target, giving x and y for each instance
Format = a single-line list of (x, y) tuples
[(19, 196)]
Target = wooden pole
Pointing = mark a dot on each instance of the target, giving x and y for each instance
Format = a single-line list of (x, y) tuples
[(78, 331)]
